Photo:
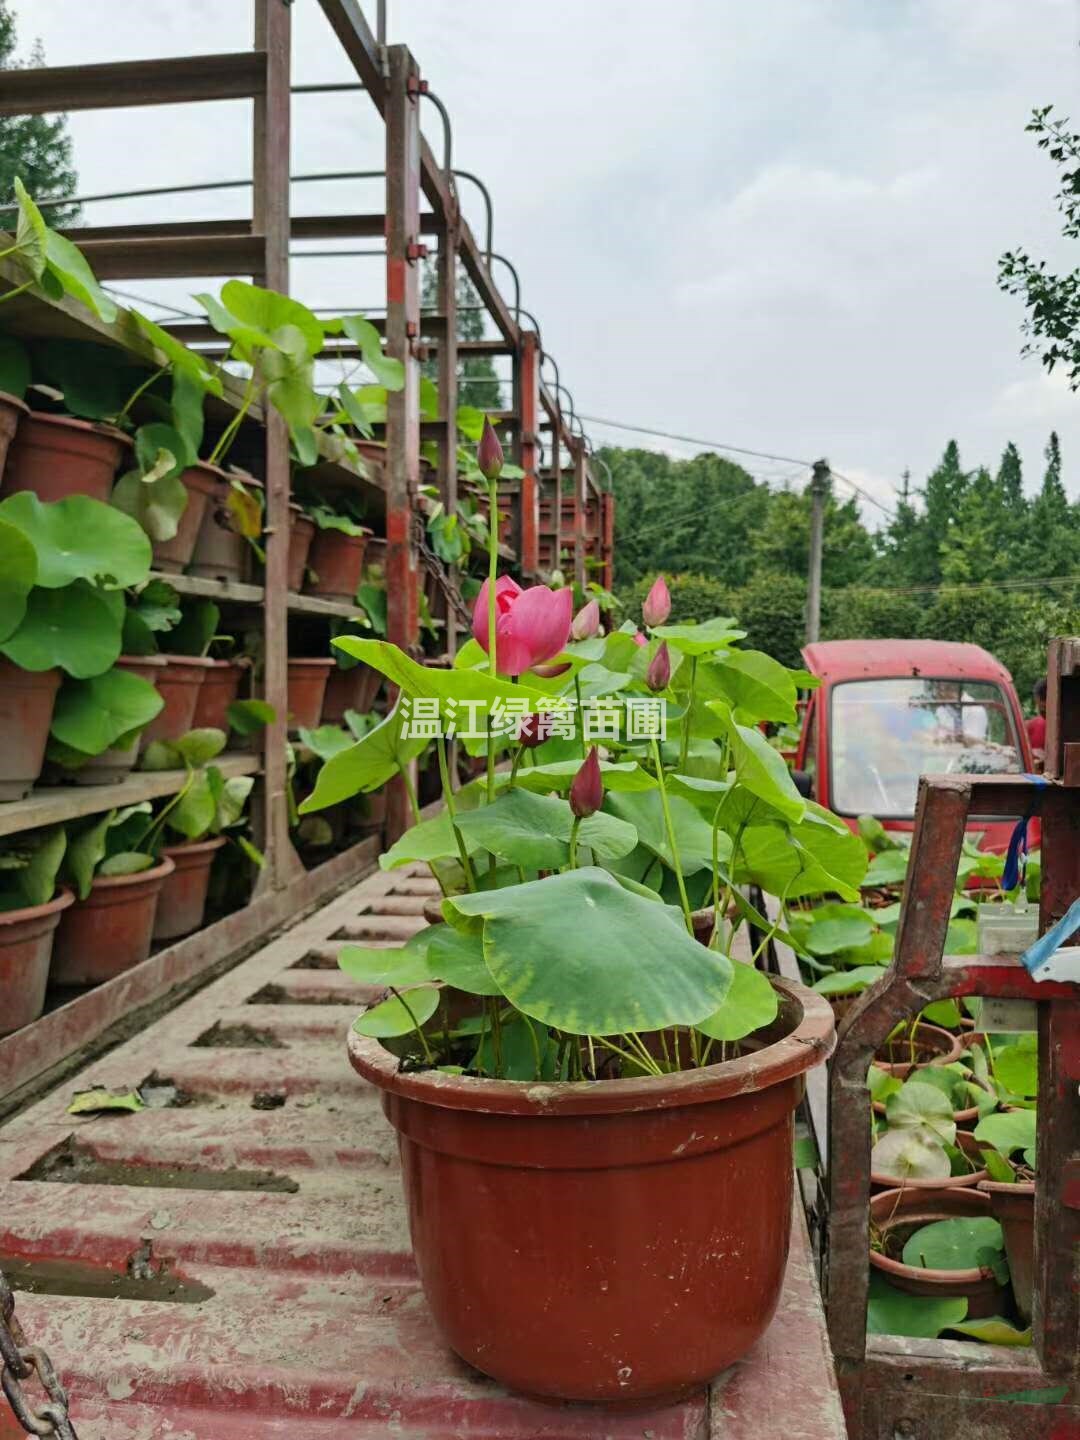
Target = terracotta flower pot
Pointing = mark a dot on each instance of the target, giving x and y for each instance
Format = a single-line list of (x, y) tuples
[(301, 534), (373, 459), (203, 484), (336, 564), (901, 1212), (178, 684), (12, 411), (57, 455), (598, 1241), (27, 698), (182, 902), (116, 762), (367, 813), (220, 687), (306, 690), (109, 931), (933, 1046), (971, 1149), (221, 552), (1013, 1206), (26, 943), (374, 558), (352, 689)]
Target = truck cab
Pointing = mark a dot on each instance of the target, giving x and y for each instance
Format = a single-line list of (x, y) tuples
[(888, 711)]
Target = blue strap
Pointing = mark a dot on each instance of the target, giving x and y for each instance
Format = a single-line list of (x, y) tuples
[(1016, 856), (1040, 951)]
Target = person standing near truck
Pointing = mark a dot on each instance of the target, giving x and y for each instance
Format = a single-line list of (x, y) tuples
[(1036, 725)]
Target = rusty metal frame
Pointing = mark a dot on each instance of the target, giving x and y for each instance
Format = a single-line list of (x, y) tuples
[(920, 1388)]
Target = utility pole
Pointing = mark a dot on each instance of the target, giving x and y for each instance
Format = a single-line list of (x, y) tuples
[(819, 486)]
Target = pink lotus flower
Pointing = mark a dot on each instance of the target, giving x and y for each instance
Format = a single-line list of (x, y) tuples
[(587, 790), (489, 455), (531, 626), (639, 639), (657, 605), (658, 675), (586, 621)]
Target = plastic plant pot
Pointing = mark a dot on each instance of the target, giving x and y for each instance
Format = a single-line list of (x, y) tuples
[(203, 484), (619, 1241), (12, 411), (1013, 1206), (182, 902), (336, 564), (27, 698), (57, 455), (301, 534), (178, 684), (26, 944), (109, 931), (932, 1046), (351, 689), (221, 552), (116, 762), (899, 1213), (306, 691), (220, 687), (374, 558)]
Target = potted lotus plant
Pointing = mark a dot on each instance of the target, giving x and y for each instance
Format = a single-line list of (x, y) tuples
[(30, 910), (583, 1091)]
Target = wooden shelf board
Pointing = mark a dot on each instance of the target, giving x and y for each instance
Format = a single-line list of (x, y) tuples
[(54, 804), (230, 591)]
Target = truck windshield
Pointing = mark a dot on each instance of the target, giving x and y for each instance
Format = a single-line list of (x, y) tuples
[(886, 733)]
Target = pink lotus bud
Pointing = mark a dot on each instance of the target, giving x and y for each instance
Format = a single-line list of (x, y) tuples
[(587, 790), (550, 672), (658, 675), (586, 621), (489, 455), (531, 626), (657, 605), (531, 731), (639, 639)]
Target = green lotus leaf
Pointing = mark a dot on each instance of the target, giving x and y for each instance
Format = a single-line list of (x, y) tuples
[(911, 1154), (559, 776), (919, 1106), (1008, 1131), (67, 264), (849, 982), (429, 840), (715, 634), (269, 312), (398, 1016), (78, 629), (181, 359), (955, 1244), (751, 1003), (248, 717), (31, 232), (423, 681), (757, 686), (1016, 1067), (580, 952), (458, 959), (80, 538), (399, 966), (759, 768), (645, 811), (810, 858), (18, 570), (366, 765), (35, 881), (91, 715), (533, 831), (894, 1312), (155, 504), (326, 741), (388, 372), (95, 380), (126, 862), (15, 371)]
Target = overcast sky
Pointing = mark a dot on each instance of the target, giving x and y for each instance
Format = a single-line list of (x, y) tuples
[(773, 225)]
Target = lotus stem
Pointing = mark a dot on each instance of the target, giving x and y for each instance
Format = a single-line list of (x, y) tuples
[(672, 842), (574, 828), (229, 433), (17, 291), (579, 724), (684, 748), (428, 1053), (139, 391), (451, 810)]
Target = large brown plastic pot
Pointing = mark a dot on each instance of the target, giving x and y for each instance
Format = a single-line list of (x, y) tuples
[(182, 902), (336, 564), (109, 931), (221, 552), (933, 1046), (615, 1240), (26, 942), (116, 762), (178, 684), (220, 687), (203, 484), (27, 698), (12, 410), (1013, 1206), (301, 534), (901, 1212), (351, 689), (306, 691), (57, 455)]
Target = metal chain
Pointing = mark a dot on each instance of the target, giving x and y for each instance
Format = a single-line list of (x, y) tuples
[(441, 574), (18, 1361)]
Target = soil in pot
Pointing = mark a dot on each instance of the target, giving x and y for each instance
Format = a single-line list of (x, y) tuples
[(336, 564), (895, 1215), (116, 762), (26, 944), (221, 552), (931, 1046), (27, 698), (306, 691), (619, 1207), (178, 683), (57, 455), (109, 931), (203, 484), (301, 534), (220, 687), (182, 902), (12, 411), (1013, 1207), (352, 689)]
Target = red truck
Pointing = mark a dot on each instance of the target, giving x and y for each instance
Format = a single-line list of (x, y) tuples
[(888, 711)]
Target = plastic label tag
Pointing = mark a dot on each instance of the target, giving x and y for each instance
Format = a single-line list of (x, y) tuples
[(1007, 1017)]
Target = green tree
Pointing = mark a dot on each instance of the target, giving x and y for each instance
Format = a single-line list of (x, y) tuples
[(1052, 530), (36, 148), (478, 380)]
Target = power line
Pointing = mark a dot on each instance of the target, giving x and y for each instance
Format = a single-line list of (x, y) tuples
[(964, 586)]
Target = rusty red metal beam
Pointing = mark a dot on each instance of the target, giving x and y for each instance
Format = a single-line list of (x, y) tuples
[(529, 442), (175, 80)]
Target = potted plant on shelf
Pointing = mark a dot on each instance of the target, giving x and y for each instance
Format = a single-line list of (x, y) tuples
[(562, 1043), (1008, 1138), (336, 560), (30, 910)]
